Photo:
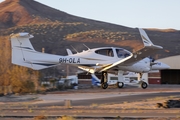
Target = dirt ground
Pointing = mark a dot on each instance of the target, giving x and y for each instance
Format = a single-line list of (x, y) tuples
[(145, 106)]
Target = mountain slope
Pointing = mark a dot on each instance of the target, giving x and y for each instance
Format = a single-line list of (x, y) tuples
[(20, 12), (55, 30)]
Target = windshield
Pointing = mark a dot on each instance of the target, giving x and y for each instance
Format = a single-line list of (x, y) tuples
[(121, 53)]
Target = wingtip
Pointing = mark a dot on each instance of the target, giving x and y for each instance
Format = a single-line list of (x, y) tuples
[(155, 47)]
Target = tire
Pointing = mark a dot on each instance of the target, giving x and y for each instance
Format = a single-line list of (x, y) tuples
[(104, 85), (144, 85), (120, 84)]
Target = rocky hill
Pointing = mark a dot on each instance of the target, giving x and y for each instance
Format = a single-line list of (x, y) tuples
[(55, 30)]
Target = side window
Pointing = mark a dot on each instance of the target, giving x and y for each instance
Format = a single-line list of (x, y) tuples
[(106, 52), (121, 53)]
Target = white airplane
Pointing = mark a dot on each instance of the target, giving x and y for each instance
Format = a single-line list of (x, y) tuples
[(104, 59)]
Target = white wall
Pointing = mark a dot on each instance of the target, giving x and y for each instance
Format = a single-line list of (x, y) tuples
[(173, 62)]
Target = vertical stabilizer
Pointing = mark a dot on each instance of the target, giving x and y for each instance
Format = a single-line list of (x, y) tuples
[(19, 44)]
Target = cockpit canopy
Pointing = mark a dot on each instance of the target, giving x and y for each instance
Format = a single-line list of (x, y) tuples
[(113, 52)]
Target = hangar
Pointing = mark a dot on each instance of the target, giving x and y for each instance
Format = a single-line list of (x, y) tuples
[(172, 75)]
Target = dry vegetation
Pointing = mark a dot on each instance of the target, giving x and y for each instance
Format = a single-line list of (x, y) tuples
[(100, 34), (14, 79), (43, 28)]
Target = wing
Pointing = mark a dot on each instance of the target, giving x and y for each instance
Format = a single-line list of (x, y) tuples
[(148, 49)]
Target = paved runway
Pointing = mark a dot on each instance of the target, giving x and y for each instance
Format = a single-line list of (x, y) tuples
[(89, 99)]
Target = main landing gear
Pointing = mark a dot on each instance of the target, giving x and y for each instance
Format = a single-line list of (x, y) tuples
[(104, 83)]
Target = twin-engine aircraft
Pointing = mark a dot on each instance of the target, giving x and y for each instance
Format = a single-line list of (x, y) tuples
[(104, 60)]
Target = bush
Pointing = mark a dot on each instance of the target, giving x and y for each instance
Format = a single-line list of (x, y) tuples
[(25, 87)]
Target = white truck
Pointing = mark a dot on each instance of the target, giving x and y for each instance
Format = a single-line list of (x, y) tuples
[(131, 79)]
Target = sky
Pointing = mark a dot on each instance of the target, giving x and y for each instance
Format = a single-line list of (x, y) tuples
[(162, 14)]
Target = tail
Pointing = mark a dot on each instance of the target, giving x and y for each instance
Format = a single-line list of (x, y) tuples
[(23, 53)]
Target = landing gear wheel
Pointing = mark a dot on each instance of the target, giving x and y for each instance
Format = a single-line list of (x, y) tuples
[(144, 85), (120, 84), (104, 85)]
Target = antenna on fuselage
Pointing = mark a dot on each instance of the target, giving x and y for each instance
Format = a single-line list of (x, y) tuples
[(74, 49), (86, 47)]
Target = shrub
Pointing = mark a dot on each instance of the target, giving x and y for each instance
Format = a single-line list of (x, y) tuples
[(24, 87)]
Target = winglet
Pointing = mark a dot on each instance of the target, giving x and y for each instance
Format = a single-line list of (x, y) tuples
[(146, 40)]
